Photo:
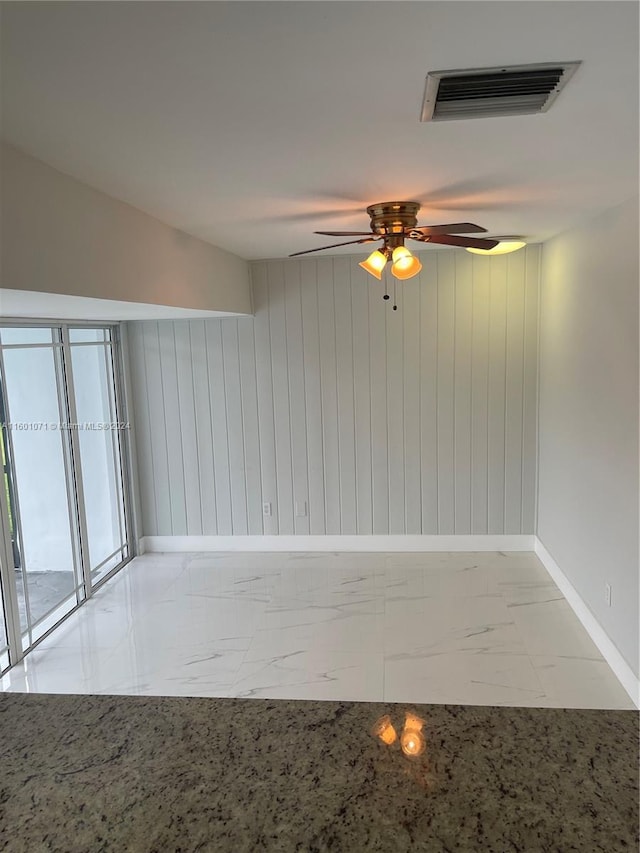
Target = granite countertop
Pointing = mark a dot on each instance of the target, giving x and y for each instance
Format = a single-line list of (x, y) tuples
[(157, 775)]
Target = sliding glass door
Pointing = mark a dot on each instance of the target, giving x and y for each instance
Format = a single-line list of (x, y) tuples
[(99, 449), (8, 558), (64, 458), (4, 640)]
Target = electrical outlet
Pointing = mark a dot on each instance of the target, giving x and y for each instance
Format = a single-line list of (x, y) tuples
[(266, 509), (607, 594), (301, 509)]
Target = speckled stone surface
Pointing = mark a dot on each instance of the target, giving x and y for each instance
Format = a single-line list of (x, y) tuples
[(155, 775)]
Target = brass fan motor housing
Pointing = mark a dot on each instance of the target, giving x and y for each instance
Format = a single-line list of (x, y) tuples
[(393, 217)]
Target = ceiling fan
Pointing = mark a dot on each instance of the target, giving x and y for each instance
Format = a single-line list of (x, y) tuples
[(393, 222)]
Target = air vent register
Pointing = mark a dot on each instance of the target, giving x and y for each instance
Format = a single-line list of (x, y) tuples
[(501, 91)]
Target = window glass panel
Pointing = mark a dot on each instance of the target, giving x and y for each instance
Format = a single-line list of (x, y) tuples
[(23, 335), (44, 553), (99, 451), (110, 564), (3, 625), (7, 487), (82, 335)]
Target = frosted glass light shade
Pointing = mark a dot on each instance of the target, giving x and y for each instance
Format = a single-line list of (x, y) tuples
[(400, 252), (503, 248), (405, 265), (374, 264)]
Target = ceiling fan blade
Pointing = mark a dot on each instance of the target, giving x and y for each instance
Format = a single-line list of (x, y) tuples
[(455, 228), (345, 233), (465, 242), (335, 246)]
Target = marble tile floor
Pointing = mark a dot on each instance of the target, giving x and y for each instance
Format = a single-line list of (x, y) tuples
[(483, 628)]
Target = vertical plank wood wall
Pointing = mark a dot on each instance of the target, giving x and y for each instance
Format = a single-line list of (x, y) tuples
[(344, 415)]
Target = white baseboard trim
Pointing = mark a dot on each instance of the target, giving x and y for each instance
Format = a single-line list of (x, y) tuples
[(606, 646), (337, 543)]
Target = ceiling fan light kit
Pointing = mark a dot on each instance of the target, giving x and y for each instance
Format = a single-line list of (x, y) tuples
[(393, 222), (404, 265)]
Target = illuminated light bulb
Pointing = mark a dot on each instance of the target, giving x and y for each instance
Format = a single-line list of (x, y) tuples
[(383, 729), (400, 252), (412, 743), (374, 264), (405, 265), (503, 248)]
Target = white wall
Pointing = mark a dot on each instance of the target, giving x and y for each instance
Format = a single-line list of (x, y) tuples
[(421, 420), (588, 461), (60, 236)]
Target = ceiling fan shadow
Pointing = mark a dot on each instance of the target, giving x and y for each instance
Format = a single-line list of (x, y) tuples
[(488, 194), (337, 197), (310, 216), (463, 204)]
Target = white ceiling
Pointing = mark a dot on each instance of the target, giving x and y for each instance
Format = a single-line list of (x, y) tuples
[(253, 124)]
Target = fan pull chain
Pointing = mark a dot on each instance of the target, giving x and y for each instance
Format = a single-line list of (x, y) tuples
[(386, 290)]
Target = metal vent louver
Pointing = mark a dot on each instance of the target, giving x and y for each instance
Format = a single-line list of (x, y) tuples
[(501, 91)]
